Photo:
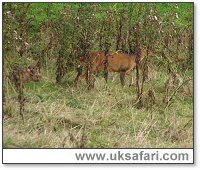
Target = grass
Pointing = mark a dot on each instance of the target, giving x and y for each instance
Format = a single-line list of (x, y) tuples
[(60, 115), (56, 115)]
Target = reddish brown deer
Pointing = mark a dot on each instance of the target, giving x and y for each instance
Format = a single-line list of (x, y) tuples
[(96, 59), (116, 62), (19, 76)]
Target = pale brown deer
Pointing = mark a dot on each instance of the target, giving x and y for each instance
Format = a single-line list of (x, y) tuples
[(116, 62)]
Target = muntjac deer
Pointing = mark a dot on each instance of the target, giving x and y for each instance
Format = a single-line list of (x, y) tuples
[(20, 76), (116, 62)]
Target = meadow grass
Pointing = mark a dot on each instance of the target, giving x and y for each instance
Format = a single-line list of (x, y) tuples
[(64, 116)]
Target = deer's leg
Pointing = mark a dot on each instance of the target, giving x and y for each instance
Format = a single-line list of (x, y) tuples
[(91, 79), (92, 82), (122, 77), (106, 71), (106, 76), (79, 77), (131, 78), (76, 79)]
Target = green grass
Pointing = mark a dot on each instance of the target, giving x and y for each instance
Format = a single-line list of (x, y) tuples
[(56, 114), (60, 115)]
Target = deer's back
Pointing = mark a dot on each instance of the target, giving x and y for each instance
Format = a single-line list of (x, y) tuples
[(121, 62)]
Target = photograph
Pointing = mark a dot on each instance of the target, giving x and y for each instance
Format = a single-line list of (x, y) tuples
[(98, 75)]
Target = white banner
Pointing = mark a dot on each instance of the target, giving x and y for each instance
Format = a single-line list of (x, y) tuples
[(97, 156)]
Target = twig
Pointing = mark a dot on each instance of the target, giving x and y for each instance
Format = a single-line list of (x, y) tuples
[(175, 91), (83, 137)]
